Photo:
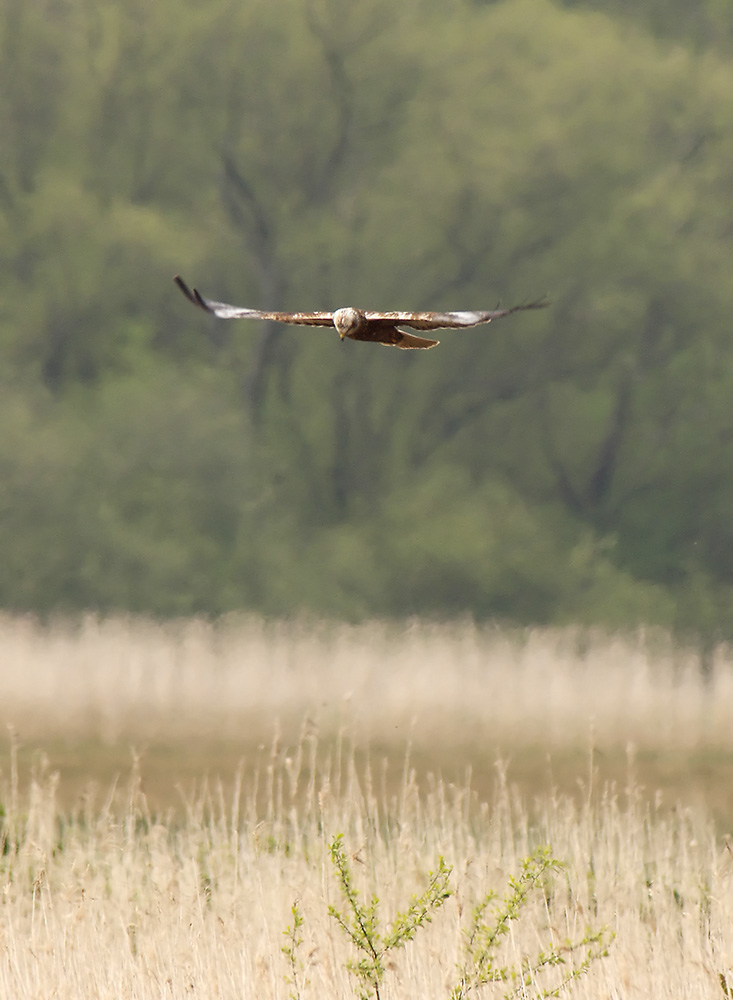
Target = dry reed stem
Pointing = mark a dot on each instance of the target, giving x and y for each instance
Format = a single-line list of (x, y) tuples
[(126, 678), (114, 902)]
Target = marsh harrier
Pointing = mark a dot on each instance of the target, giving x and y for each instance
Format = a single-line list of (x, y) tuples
[(354, 324)]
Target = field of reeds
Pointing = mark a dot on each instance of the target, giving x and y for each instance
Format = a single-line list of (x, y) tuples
[(172, 799)]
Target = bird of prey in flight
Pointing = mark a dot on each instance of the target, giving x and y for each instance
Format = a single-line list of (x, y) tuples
[(355, 324)]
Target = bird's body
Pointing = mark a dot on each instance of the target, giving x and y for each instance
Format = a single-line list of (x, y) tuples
[(356, 324)]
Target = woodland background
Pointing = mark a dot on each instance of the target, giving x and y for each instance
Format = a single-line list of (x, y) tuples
[(572, 465)]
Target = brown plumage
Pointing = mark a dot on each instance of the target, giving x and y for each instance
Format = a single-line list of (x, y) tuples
[(355, 324)]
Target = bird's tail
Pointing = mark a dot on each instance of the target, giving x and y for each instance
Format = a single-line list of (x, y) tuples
[(408, 341)]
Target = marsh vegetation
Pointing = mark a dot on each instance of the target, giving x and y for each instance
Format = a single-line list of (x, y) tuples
[(158, 871)]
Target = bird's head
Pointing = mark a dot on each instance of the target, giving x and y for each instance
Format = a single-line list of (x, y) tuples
[(347, 321)]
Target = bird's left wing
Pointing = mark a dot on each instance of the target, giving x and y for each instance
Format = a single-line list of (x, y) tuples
[(225, 311), (447, 320)]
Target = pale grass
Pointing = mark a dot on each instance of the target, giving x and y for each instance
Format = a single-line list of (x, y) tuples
[(114, 902), (126, 678)]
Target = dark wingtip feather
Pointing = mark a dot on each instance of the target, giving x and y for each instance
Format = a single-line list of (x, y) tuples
[(192, 294), (542, 303), (200, 300), (184, 288)]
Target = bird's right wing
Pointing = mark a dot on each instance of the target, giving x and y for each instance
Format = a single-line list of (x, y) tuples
[(447, 320), (225, 311)]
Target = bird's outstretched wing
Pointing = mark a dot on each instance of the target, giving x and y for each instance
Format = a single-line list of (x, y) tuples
[(447, 320), (380, 327), (225, 311)]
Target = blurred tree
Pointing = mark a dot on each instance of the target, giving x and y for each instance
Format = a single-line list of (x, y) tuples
[(136, 501), (706, 23), (308, 154)]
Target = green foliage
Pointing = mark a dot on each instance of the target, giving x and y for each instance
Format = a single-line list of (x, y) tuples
[(491, 922), (290, 949), (526, 978), (706, 23), (569, 465), (96, 514), (360, 922)]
